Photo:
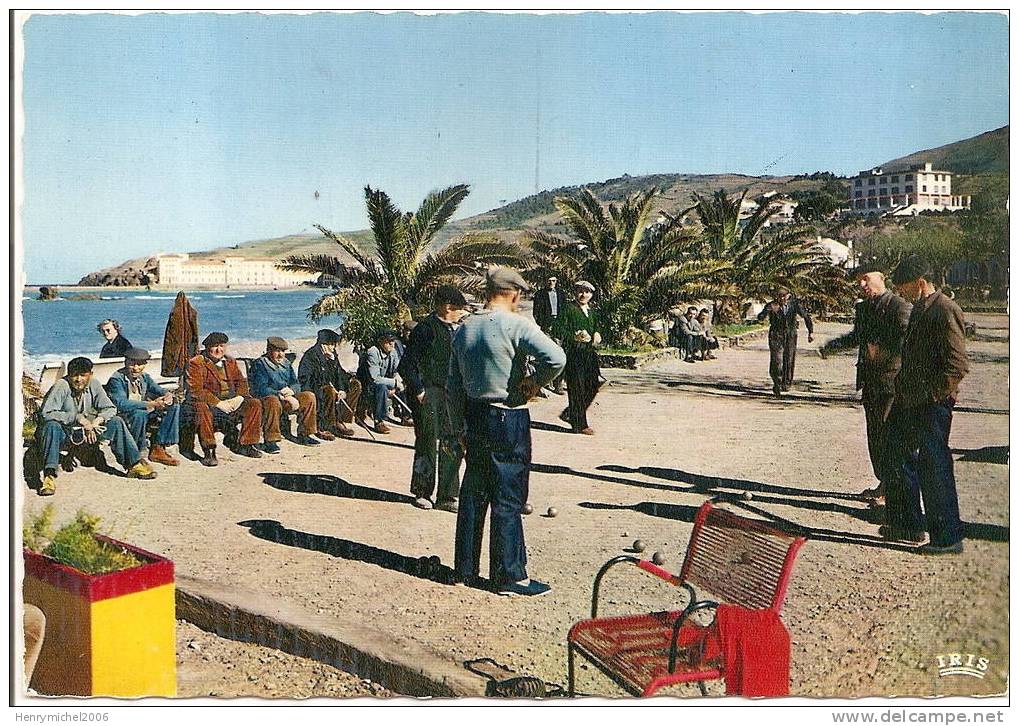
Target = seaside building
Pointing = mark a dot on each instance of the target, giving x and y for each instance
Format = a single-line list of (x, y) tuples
[(784, 208), (179, 270), (905, 192)]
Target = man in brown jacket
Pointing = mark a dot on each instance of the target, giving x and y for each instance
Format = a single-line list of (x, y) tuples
[(218, 393), (880, 326), (934, 361)]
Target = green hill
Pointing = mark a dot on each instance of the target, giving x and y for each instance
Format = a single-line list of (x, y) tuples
[(983, 154)]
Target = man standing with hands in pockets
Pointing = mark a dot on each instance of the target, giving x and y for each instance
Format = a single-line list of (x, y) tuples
[(488, 394)]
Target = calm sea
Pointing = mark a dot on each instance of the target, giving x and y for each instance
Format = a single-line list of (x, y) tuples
[(59, 329)]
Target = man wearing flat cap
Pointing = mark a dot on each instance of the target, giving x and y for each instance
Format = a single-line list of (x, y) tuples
[(219, 394), (878, 330), (548, 304), (425, 368), (934, 362), (274, 383), (140, 400), (377, 371), (783, 329), (336, 391), (77, 411), (488, 389), (579, 328)]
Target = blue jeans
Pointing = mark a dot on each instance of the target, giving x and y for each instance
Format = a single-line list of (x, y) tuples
[(498, 466), (380, 394), (918, 441), (169, 426), (51, 435)]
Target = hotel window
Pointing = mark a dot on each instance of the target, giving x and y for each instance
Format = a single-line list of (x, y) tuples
[(871, 182), (909, 188), (895, 180), (859, 182), (909, 177), (871, 192), (895, 190), (859, 192), (924, 188)]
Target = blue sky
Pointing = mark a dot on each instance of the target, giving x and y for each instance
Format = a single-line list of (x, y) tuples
[(189, 131)]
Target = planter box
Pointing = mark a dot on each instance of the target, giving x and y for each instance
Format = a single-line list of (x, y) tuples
[(106, 635)]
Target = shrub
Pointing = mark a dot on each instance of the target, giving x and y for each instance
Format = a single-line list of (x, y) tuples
[(75, 544)]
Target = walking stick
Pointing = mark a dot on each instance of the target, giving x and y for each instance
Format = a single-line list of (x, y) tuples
[(356, 422), (405, 406)]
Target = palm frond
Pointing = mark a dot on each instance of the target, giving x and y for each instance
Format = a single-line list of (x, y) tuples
[(366, 262), (322, 264), (466, 257), (433, 214), (387, 225)]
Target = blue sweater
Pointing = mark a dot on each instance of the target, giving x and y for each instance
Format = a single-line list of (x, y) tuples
[(119, 390), (268, 379)]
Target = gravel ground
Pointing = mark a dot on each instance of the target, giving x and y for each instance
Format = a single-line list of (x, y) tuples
[(865, 618), (209, 666)]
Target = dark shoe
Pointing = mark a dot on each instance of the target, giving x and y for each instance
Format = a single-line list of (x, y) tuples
[(382, 428), (528, 588), (777, 390), (877, 492), (786, 386), (343, 430), (405, 421), (952, 549), (448, 505), (565, 415), (250, 451), (271, 447), (326, 435), (209, 459), (161, 456), (899, 535), (307, 441)]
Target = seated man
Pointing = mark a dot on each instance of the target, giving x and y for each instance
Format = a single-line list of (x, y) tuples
[(336, 391), (139, 400), (275, 384), (78, 411), (116, 344), (377, 372), (690, 335), (708, 340), (219, 394)]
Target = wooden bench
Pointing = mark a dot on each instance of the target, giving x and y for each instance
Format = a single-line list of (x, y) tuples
[(738, 560)]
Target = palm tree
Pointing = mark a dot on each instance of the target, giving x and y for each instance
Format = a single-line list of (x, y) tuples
[(759, 262), (395, 280), (639, 269)]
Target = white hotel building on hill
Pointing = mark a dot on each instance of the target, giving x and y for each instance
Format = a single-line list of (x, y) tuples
[(906, 192), (178, 270)]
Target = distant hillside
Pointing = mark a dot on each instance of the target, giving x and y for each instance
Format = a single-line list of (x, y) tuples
[(980, 163), (983, 154)]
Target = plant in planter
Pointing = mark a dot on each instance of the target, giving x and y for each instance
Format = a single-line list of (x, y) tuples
[(109, 607)]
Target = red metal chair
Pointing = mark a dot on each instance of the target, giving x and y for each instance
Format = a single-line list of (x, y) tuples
[(741, 561)]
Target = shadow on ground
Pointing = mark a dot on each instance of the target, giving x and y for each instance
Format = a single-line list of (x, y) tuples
[(426, 568), (985, 455), (331, 486)]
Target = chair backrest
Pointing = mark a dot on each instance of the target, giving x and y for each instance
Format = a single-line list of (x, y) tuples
[(738, 560)]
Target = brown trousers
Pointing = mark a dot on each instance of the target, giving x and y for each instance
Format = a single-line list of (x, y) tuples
[(249, 415), (331, 411), (272, 409)]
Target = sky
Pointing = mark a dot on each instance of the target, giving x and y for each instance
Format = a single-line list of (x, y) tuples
[(184, 132)]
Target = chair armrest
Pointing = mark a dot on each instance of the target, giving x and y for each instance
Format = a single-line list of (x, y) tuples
[(693, 607), (645, 565)]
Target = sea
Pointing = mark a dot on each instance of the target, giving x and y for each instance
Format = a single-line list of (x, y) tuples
[(57, 330)]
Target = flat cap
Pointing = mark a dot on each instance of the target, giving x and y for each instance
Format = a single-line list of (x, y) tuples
[(385, 336), (583, 285), (215, 339), (912, 268), (136, 354), (328, 335), (505, 278), (277, 343)]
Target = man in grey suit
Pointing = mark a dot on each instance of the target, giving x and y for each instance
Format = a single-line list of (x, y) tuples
[(878, 331), (782, 334)]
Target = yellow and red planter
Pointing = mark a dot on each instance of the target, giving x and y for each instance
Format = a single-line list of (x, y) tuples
[(106, 635)]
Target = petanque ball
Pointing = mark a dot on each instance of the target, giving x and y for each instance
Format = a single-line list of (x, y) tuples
[(638, 546), (747, 496), (528, 508), (658, 558), (552, 511)]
